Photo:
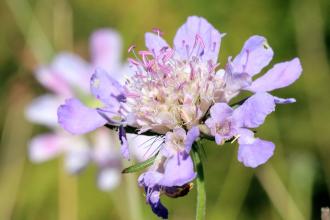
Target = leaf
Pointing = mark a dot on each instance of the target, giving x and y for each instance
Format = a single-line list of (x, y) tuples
[(140, 166)]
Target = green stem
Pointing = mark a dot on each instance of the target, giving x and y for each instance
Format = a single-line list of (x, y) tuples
[(201, 195)]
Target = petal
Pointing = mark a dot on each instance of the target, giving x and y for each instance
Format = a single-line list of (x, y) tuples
[(278, 100), (106, 89), (254, 110), (219, 139), (179, 170), (281, 75), (192, 135), (106, 48), (256, 153), (105, 150), (235, 81), (149, 181), (108, 179), (124, 149), (255, 55), (246, 136), (77, 156), (155, 43), (45, 147), (76, 118), (46, 76), (220, 111), (143, 147), (150, 178), (186, 36), (43, 110), (157, 207), (73, 70)]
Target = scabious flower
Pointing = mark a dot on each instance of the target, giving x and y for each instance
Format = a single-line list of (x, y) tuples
[(68, 75), (179, 95)]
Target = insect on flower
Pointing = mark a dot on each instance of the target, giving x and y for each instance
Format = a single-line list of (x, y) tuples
[(179, 191)]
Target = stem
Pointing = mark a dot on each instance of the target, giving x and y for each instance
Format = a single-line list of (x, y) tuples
[(133, 130), (201, 195)]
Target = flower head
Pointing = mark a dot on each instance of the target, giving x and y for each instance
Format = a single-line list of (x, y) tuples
[(180, 94)]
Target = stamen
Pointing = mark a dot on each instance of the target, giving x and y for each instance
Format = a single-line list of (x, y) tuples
[(247, 59), (200, 41), (157, 31), (145, 53), (134, 62), (183, 43), (187, 49), (214, 46), (167, 55), (131, 48), (236, 137), (192, 72)]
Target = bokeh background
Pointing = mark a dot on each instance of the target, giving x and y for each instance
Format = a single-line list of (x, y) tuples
[(294, 184)]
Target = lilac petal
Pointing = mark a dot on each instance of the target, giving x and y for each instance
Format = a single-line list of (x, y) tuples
[(254, 110), (77, 156), (108, 178), (155, 43), (198, 27), (46, 76), (220, 111), (256, 153), (192, 135), (236, 80), (124, 150), (150, 178), (221, 114), (76, 118), (72, 70), (124, 144), (149, 181), (105, 151), (43, 110), (143, 147), (281, 75), (45, 147), (106, 47), (107, 89), (219, 139), (179, 170), (246, 136), (255, 55), (278, 100), (157, 207)]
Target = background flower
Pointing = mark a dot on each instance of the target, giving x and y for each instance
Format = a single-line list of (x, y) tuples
[(68, 76)]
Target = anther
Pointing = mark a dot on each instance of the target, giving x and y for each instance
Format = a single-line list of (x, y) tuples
[(157, 31)]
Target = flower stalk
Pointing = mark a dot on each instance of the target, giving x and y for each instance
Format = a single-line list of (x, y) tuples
[(201, 194)]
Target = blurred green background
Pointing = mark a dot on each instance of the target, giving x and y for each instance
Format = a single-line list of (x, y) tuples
[(294, 184)]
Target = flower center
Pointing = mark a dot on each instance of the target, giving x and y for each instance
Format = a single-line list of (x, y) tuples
[(167, 92), (223, 128)]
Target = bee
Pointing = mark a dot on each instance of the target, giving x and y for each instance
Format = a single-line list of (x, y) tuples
[(178, 191)]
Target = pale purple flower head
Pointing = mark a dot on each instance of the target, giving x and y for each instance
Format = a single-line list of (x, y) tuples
[(179, 94)]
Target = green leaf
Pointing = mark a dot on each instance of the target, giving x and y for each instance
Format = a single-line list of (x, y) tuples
[(140, 166)]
